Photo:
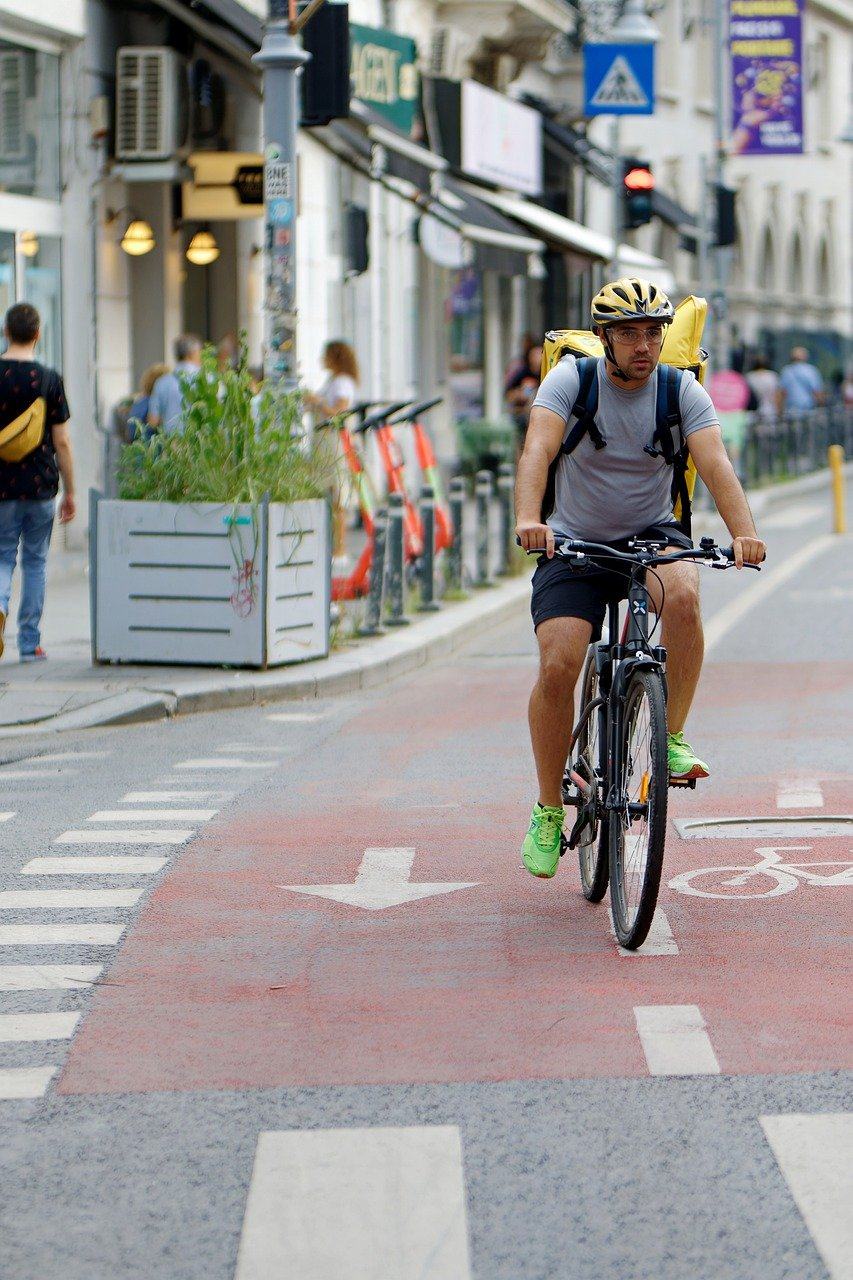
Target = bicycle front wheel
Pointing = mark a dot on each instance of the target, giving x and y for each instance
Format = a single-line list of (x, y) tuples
[(638, 827), (589, 761)]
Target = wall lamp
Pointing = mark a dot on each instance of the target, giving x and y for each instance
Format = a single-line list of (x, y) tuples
[(202, 249), (138, 238)]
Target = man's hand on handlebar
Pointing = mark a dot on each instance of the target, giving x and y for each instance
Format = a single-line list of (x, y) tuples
[(748, 551), (535, 536)]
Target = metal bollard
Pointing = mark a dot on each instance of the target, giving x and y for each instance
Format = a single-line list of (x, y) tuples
[(428, 602), (836, 466), (373, 613), (483, 495), (506, 496), (456, 499), (396, 585)]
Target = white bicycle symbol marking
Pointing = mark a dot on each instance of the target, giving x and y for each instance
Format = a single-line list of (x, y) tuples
[(768, 878)]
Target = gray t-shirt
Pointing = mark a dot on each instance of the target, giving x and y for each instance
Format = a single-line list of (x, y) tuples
[(606, 494)]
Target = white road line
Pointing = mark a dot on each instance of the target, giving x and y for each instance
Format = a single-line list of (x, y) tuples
[(4, 817), (149, 836), (71, 755), (298, 717), (153, 815), (250, 747), (756, 828), (70, 865), (675, 1041), (815, 1153), (37, 1026), (17, 775), (792, 518), (48, 935), (395, 1196), (49, 899), (156, 797), (226, 762), (766, 583), (47, 977), (659, 942), (801, 793), (25, 1082)]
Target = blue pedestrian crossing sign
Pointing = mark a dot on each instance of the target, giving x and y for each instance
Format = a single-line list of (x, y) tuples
[(619, 79)]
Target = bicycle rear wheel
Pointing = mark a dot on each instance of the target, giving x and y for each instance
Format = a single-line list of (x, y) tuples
[(638, 830), (589, 758)]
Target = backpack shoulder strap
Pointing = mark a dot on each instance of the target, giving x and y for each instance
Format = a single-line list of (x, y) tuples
[(585, 407), (668, 441)]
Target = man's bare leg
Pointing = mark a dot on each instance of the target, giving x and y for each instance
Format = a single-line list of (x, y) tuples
[(562, 648), (682, 635)]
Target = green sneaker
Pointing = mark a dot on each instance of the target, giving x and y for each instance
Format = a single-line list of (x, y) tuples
[(682, 762), (540, 852)]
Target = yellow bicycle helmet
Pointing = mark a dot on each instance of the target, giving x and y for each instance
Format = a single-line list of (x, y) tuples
[(631, 299)]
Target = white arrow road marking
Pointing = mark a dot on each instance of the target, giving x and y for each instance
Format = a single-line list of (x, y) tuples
[(25, 1082), (675, 1041), (37, 1026), (659, 941), (815, 1153), (382, 881), (120, 865), (47, 977), (799, 794), (365, 1204)]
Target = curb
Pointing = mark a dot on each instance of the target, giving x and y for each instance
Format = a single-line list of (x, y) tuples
[(371, 664)]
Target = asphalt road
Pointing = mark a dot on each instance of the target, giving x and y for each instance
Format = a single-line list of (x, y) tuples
[(462, 1079)]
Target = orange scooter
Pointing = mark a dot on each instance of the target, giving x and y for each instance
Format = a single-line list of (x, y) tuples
[(429, 469)]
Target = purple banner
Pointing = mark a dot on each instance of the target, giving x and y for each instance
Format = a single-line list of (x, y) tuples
[(765, 45)]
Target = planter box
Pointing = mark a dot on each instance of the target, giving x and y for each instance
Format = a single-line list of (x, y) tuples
[(209, 585)]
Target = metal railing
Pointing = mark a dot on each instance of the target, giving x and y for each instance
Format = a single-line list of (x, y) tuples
[(791, 445)]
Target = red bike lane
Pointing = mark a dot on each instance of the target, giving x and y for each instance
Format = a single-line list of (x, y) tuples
[(231, 980)]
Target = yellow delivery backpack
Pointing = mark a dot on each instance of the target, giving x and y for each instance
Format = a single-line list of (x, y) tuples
[(681, 350)]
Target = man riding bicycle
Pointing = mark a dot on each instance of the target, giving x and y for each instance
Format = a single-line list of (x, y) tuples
[(610, 488)]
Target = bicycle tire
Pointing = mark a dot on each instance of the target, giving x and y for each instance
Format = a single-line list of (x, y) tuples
[(631, 926), (594, 846)]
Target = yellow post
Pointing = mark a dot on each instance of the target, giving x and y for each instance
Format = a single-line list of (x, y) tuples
[(835, 453)]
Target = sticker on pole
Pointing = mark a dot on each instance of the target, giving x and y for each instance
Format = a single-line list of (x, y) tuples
[(277, 181), (619, 79)]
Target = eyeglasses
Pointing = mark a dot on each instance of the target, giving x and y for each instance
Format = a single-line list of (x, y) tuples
[(633, 337)]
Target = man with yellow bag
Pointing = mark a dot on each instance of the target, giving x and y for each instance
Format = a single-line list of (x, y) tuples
[(606, 458), (35, 451)]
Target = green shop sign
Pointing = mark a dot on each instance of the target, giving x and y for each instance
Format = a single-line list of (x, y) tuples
[(384, 74)]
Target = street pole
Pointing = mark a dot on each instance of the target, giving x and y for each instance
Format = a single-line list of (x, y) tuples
[(281, 58), (719, 300), (615, 147)]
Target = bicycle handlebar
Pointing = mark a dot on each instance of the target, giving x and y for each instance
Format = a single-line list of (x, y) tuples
[(381, 415), (415, 411), (718, 557)]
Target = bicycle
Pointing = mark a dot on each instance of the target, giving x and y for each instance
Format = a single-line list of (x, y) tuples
[(617, 776), (768, 878)]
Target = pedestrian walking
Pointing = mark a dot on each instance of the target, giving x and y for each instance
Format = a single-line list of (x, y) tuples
[(800, 384), (166, 406), (338, 392), (35, 453), (521, 389), (137, 418), (764, 381)]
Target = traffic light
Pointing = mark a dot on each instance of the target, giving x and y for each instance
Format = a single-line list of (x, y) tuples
[(638, 183), (726, 228)]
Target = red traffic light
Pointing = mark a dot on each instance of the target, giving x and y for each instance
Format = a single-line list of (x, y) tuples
[(639, 180)]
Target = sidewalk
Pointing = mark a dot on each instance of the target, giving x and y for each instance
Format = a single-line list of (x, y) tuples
[(67, 692)]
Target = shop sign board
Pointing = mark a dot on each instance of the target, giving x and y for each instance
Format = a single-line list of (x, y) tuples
[(619, 79), (501, 139), (384, 74), (226, 186), (766, 55)]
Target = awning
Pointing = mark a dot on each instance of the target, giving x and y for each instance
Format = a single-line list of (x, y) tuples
[(499, 244), (406, 158), (566, 234)]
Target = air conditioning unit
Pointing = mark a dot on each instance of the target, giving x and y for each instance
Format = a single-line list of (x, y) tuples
[(14, 144), (151, 103), (450, 51)]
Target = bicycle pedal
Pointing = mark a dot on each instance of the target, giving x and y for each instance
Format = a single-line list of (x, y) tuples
[(564, 844)]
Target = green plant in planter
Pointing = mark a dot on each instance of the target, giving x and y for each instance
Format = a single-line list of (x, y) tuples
[(236, 445)]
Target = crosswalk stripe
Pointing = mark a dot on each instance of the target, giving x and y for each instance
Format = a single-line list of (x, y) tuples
[(117, 865), (44, 935), (146, 836), (675, 1041), (226, 762), (47, 977), (49, 899), (396, 1198), (815, 1154), (18, 775), (153, 815), (17, 1083), (155, 797), (5, 817), (16, 1027), (799, 794)]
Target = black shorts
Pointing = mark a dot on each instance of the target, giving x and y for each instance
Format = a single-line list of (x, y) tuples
[(561, 590)]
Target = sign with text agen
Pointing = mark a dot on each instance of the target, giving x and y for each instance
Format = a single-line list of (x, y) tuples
[(619, 79), (384, 73)]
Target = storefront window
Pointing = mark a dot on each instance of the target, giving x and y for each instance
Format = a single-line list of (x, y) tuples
[(41, 285), (29, 122), (465, 322)]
